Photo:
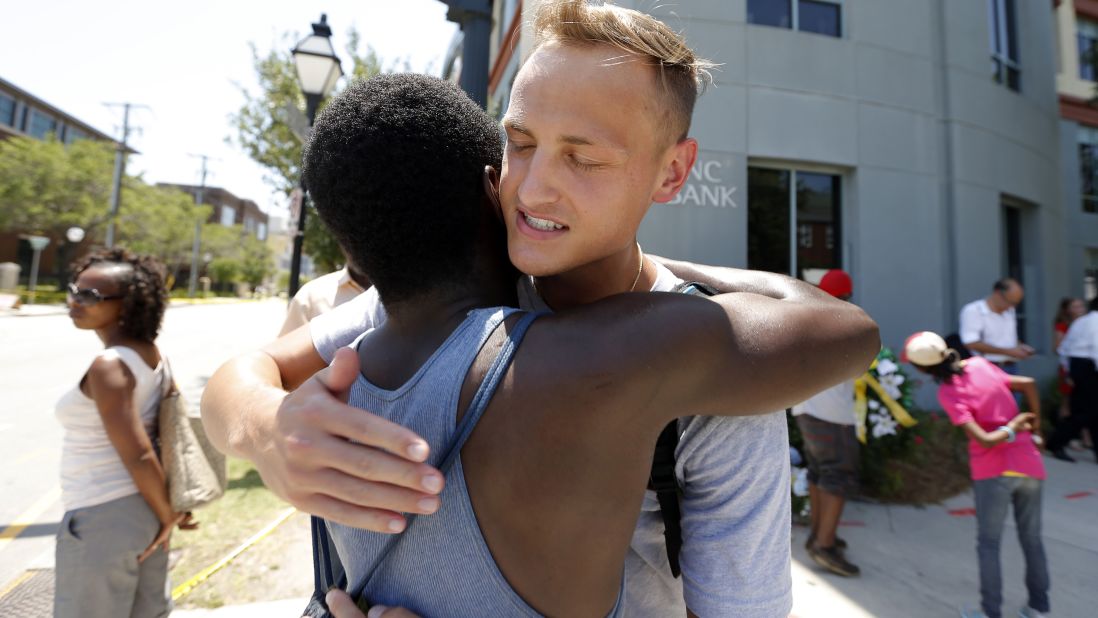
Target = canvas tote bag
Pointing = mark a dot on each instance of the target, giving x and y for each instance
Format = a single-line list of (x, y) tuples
[(196, 470)]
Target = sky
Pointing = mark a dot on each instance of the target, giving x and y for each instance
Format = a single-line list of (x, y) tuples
[(186, 62)]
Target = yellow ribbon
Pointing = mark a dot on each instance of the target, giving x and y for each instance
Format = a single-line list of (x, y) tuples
[(860, 408), (861, 405)]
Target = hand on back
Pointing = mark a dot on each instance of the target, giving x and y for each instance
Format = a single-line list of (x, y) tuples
[(342, 463), (1026, 421)]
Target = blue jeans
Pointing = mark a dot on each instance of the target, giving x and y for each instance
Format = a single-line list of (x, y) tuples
[(993, 498)]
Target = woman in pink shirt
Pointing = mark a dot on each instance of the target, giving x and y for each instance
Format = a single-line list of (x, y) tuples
[(1005, 464)]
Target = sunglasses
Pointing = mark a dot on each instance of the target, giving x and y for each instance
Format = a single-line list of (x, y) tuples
[(88, 297)]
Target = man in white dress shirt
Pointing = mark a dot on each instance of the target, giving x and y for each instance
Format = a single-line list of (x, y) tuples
[(1079, 352), (989, 326)]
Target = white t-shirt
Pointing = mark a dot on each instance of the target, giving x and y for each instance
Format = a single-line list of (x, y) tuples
[(834, 405), (319, 296), (980, 323), (92, 472), (734, 473), (1081, 340)]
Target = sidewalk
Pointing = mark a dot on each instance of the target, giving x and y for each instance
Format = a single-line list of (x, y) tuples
[(916, 562), (27, 311)]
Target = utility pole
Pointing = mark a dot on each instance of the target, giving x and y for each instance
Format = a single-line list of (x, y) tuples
[(119, 169), (192, 285)]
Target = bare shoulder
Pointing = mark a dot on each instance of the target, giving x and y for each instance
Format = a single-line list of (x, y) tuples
[(108, 373)]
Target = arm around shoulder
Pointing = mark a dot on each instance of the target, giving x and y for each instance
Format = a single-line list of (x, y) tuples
[(756, 353), (729, 355)]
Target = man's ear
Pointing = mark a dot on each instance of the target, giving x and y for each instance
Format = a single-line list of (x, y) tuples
[(491, 190), (676, 170)]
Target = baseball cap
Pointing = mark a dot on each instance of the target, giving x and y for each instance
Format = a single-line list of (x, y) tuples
[(837, 283), (925, 348)]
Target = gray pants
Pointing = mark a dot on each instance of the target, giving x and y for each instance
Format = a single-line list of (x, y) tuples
[(994, 497), (97, 571)]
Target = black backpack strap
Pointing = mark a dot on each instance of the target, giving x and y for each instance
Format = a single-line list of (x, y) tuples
[(695, 288), (327, 569), (662, 479)]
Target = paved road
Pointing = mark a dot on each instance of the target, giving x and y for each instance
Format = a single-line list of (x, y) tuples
[(42, 357)]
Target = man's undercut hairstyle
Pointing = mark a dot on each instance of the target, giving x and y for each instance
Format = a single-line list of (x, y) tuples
[(395, 166), (142, 282), (681, 74)]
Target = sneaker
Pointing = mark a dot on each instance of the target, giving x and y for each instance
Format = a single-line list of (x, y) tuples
[(831, 558), (1060, 454), (841, 544), (1029, 612), (973, 613)]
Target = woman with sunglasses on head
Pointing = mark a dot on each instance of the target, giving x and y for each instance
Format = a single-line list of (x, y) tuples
[(112, 557)]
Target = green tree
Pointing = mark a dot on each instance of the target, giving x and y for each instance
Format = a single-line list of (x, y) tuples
[(47, 187), (238, 256), (263, 127), (159, 221)]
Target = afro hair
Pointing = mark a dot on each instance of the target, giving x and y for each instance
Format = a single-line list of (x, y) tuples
[(395, 168)]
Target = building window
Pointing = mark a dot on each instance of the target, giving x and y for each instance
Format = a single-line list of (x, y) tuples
[(228, 216), (506, 16), (261, 231), (804, 236), (7, 110), (817, 16), (1088, 168), (40, 124), (1015, 267), (793, 220), (72, 134), (1003, 35), (1086, 38)]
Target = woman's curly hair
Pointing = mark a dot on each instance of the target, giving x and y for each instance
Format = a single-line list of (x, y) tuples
[(143, 280)]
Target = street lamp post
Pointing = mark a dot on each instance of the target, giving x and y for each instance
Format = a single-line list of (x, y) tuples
[(475, 19), (318, 70), (37, 243)]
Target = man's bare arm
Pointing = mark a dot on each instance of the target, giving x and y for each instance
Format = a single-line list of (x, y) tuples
[(728, 280), (301, 442), (731, 354)]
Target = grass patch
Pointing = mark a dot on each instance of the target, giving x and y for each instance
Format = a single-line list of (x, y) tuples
[(246, 507)]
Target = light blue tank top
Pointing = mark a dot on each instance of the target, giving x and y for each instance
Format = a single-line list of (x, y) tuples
[(440, 566)]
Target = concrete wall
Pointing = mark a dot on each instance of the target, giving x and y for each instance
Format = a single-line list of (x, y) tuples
[(904, 108)]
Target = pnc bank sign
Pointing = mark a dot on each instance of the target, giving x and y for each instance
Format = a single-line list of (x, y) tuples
[(706, 186)]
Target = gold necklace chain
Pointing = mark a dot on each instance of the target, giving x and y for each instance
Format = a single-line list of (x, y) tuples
[(636, 279), (640, 268)]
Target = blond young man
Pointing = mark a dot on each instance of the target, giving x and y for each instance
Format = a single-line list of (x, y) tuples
[(597, 131)]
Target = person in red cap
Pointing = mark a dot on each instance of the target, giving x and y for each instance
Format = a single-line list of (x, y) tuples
[(1005, 464), (837, 283), (831, 449)]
